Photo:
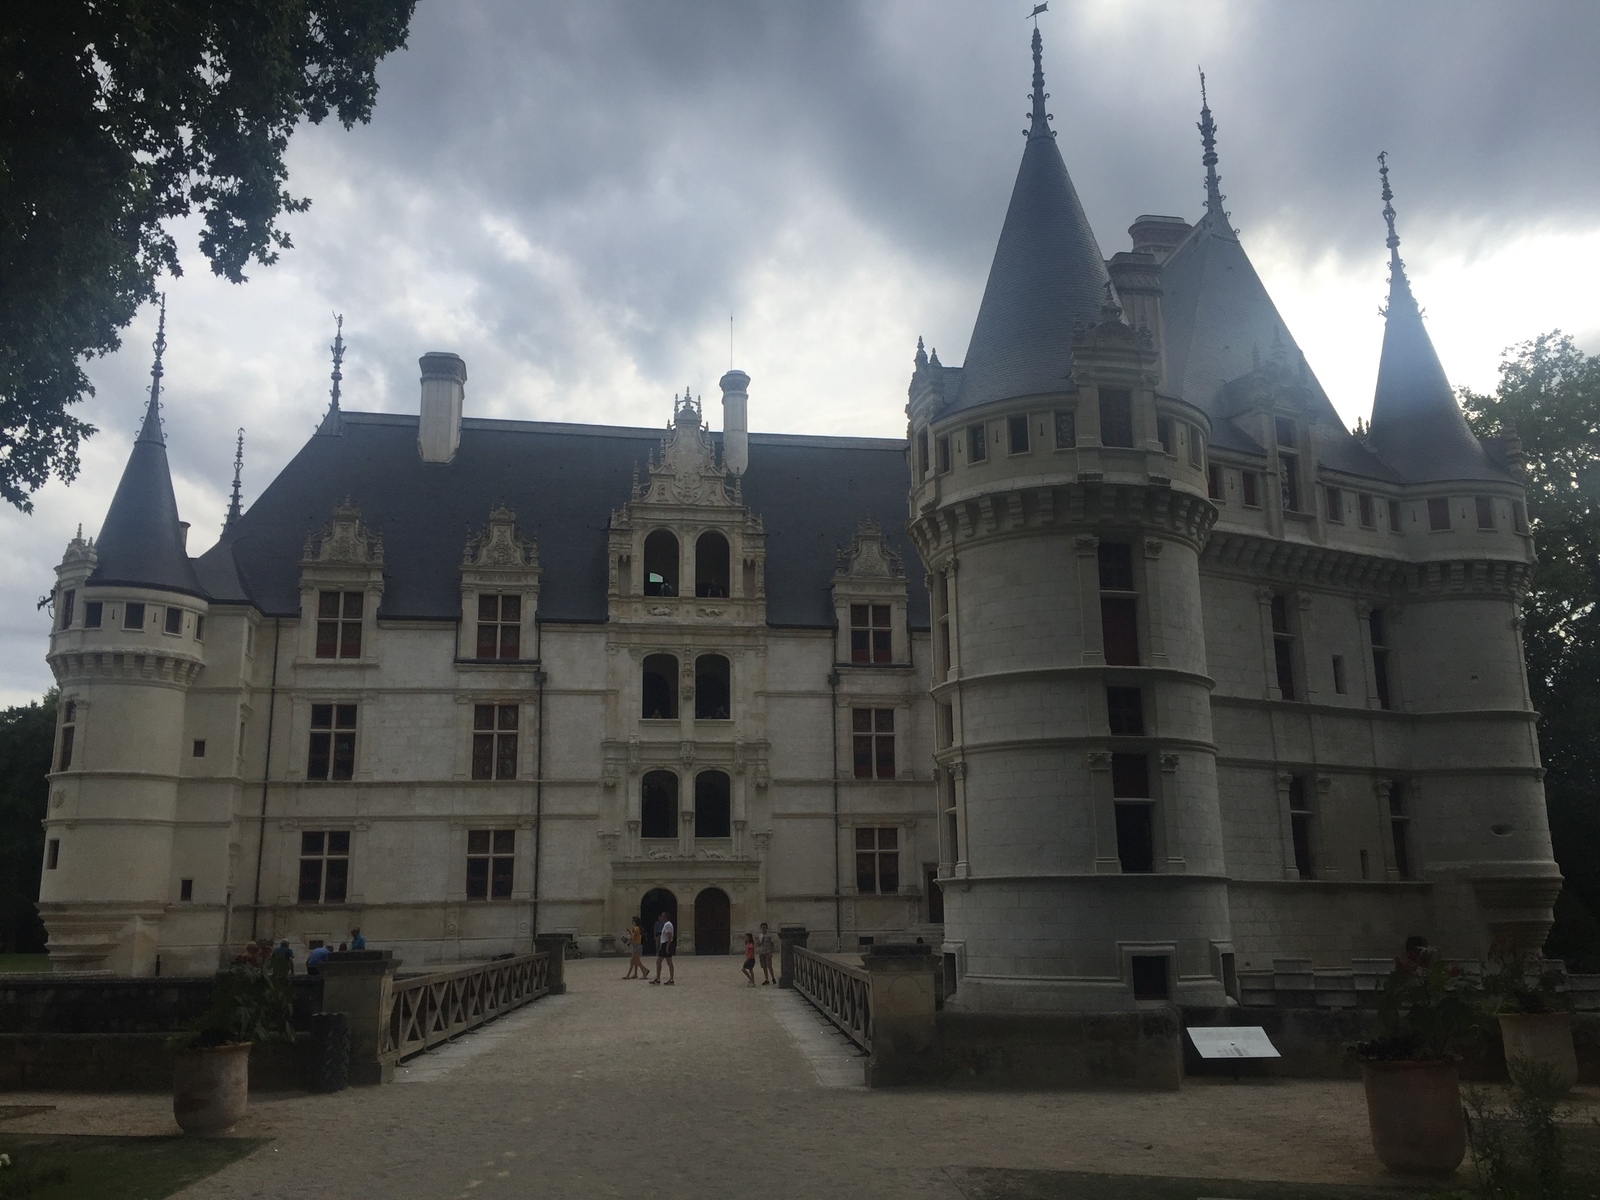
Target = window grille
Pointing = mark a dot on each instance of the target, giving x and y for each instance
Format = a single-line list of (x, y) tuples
[(332, 754), (494, 741), (878, 861), (872, 735), (339, 624), (871, 634), (499, 625), (491, 863), (324, 866)]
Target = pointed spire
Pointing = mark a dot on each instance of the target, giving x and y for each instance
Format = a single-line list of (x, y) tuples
[(333, 422), (235, 509), (1208, 140), (150, 431), (1040, 126), (1393, 240)]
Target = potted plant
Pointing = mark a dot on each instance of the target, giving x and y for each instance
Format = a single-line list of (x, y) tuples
[(1535, 1025), (251, 1001), (1426, 1008)]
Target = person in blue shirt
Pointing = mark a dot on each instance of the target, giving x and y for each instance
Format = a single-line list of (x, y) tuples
[(315, 959), (357, 942), (281, 950)]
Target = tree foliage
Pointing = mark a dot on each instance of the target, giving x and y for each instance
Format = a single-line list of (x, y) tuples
[(1550, 393), (27, 739), (117, 118)]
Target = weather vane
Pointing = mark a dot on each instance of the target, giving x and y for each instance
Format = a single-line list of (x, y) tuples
[(1034, 15)]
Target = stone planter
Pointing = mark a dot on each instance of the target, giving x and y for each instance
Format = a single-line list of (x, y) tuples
[(1414, 1111), (1542, 1038), (210, 1088)]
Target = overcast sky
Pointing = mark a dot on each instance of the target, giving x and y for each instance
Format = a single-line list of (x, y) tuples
[(574, 197)]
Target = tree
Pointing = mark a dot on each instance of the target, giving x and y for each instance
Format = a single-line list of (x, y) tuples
[(116, 118), (27, 740), (1549, 393)]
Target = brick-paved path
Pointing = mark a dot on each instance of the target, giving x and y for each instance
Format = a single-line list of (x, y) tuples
[(702, 1090)]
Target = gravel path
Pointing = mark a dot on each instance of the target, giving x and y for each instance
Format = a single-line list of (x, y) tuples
[(711, 1089)]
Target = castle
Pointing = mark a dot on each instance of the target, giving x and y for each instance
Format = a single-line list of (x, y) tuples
[(1129, 670)]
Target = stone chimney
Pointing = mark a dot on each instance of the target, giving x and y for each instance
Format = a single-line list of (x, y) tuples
[(444, 378), (1159, 236), (735, 427), (1138, 282)]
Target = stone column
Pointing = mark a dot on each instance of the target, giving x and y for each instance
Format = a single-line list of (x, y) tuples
[(555, 945), (789, 936), (360, 983), (903, 1028)]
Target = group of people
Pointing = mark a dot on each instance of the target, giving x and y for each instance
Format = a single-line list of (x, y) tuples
[(758, 947), (257, 953)]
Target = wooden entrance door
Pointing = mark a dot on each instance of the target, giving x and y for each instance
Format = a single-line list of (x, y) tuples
[(712, 921)]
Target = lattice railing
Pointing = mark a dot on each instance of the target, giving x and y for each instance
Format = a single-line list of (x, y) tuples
[(840, 992), (426, 1010)]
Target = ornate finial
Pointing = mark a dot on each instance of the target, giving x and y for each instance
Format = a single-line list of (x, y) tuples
[(150, 431), (933, 358), (333, 423), (922, 355), (1208, 140), (235, 509), (1040, 126), (1393, 241)]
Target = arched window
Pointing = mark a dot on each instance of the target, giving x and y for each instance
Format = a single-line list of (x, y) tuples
[(713, 696), (713, 805), (711, 565), (658, 805), (661, 564), (660, 688)]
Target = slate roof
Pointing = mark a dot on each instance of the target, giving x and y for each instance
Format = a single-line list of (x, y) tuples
[(563, 482)]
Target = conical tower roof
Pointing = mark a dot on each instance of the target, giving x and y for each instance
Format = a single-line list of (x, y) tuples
[(1417, 426), (1048, 275), (141, 541)]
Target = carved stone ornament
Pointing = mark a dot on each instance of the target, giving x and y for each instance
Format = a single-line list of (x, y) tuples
[(869, 556), (1099, 760), (687, 471), (79, 554), (344, 540), (499, 545)]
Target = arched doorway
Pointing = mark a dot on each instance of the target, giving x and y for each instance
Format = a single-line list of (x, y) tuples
[(713, 922), (656, 901)]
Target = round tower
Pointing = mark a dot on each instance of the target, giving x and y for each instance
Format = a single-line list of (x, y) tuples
[(1059, 503)]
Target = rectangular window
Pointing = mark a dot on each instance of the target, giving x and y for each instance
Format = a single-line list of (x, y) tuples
[(942, 449), (1116, 566), (491, 863), (1338, 674), (1214, 481), (324, 866), (871, 635), (199, 748), (1136, 840), (872, 735), (1380, 656), (68, 602), (1335, 498), (1116, 417), (174, 622), (1400, 829), (1017, 433), (1119, 607), (1250, 483), (878, 861), (133, 616), (1166, 434), (494, 741), (1125, 711), (1289, 465), (1150, 976), (65, 761), (1300, 826), (339, 624), (52, 854), (1283, 646), (1485, 507), (332, 753), (952, 822), (199, 628), (1284, 427), (977, 444), (92, 613), (1519, 522), (185, 889), (499, 626), (1066, 428), (1196, 445), (1366, 510), (1394, 516), (922, 454), (1439, 513), (1130, 776)]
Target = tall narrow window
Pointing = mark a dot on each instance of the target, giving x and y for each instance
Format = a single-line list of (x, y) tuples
[(1366, 510), (499, 625), (713, 805), (1283, 646), (52, 854), (942, 452), (977, 443), (1116, 417), (324, 866), (1289, 466), (1066, 423), (878, 861), (952, 822), (494, 741), (711, 574), (1400, 829), (1335, 498), (872, 742), (942, 596), (1119, 615), (332, 753), (1485, 507), (491, 863), (1300, 826), (1519, 522), (661, 564), (93, 611), (133, 616), (1439, 513), (1017, 433), (1125, 711), (174, 619), (339, 624), (922, 454), (1394, 516), (1166, 434), (1250, 485), (1284, 428), (660, 688), (68, 603), (1214, 481), (1338, 674), (713, 693), (69, 729), (871, 637), (1130, 786), (1378, 626), (1196, 445), (658, 805)]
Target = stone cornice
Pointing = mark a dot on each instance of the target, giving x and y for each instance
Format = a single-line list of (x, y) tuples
[(1257, 558), (165, 667)]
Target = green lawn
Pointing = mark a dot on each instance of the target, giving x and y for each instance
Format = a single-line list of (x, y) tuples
[(24, 964), (111, 1168)]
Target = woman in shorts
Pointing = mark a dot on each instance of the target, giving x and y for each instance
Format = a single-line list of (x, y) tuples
[(750, 958), (636, 967)]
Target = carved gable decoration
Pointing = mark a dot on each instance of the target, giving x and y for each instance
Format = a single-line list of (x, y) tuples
[(344, 541), (687, 471), (80, 555), (500, 546), (869, 556)]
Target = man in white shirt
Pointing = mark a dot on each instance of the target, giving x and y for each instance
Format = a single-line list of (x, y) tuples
[(666, 944)]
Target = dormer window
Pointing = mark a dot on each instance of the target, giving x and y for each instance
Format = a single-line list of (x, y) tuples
[(871, 633), (339, 624), (1285, 428), (711, 566), (499, 626), (661, 564), (1116, 417)]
